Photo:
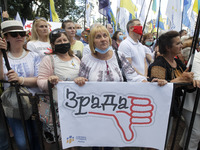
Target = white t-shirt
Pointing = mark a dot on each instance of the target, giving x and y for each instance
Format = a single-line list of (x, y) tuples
[(39, 47), (135, 51)]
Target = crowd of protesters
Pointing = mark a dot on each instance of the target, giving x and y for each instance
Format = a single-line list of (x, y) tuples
[(71, 53)]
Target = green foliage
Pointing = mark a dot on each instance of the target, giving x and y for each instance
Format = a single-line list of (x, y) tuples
[(29, 9)]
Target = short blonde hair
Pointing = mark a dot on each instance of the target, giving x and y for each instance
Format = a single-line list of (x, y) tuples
[(34, 34), (96, 29)]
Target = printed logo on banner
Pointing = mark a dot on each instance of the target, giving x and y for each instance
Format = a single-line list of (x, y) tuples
[(81, 139), (70, 139), (126, 111)]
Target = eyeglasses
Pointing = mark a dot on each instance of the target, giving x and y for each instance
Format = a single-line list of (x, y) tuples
[(15, 34)]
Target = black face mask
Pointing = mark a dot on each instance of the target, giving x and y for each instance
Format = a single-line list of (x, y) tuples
[(62, 48)]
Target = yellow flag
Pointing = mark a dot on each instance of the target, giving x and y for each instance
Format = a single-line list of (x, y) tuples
[(195, 6), (128, 4), (53, 12)]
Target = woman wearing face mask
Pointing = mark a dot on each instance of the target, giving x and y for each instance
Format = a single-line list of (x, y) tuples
[(147, 40), (116, 39), (66, 64), (61, 65)]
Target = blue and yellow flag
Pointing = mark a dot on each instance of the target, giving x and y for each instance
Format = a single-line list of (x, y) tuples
[(154, 6), (196, 6), (53, 14), (161, 23), (128, 4), (111, 18)]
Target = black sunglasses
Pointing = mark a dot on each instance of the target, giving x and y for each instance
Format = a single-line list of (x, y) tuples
[(15, 34)]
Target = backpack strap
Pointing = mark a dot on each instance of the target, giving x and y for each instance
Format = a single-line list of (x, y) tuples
[(120, 66)]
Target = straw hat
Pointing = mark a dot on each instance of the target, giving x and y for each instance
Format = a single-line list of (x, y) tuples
[(11, 26)]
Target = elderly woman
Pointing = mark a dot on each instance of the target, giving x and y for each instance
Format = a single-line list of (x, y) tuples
[(166, 66), (62, 64), (24, 71), (102, 65), (169, 68), (116, 39), (39, 37)]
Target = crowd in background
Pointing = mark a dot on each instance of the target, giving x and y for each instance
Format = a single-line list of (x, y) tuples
[(74, 53)]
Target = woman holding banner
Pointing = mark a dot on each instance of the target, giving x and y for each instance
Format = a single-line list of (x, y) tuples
[(103, 64), (39, 37), (61, 65), (24, 70)]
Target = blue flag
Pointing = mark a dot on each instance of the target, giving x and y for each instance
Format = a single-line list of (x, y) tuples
[(104, 6), (186, 20)]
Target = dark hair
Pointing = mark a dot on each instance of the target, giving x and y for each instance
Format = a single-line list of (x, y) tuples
[(65, 22), (180, 32), (165, 41), (114, 37), (145, 36), (58, 32), (130, 23)]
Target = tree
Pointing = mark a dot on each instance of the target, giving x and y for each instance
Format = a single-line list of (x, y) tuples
[(29, 9)]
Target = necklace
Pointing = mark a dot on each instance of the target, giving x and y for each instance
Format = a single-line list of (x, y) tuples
[(20, 57)]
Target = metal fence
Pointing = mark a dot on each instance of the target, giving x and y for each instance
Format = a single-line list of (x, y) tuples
[(34, 99)]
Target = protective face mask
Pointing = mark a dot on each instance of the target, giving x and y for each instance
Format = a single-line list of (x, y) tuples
[(121, 37), (137, 29), (111, 34), (102, 51), (78, 32), (62, 48), (148, 43)]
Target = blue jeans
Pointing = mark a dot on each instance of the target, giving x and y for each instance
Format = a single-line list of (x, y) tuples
[(3, 136), (18, 131)]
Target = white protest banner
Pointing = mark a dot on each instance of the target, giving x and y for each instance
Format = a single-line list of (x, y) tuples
[(52, 25), (115, 114)]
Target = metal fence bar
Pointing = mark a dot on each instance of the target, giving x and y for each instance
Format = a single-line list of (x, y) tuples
[(169, 120), (35, 116), (22, 114), (53, 114), (192, 119), (178, 120), (3, 117)]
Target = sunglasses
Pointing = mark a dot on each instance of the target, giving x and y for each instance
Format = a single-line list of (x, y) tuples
[(56, 32), (15, 34)]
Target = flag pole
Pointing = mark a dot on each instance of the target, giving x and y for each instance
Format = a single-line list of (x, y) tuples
[(147, 16), (194, 41), (182, 17), (85, 14), (146, 19), (158, 19)]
